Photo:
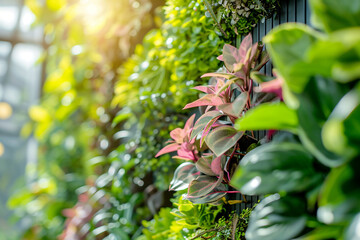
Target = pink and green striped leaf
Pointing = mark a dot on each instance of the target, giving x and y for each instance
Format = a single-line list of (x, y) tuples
[(183, 176), (204, 165), (209, 99), (214, 197), (169, 148), (203, 185), (203, 121), (235, 108), (217, 165), (222, 139)]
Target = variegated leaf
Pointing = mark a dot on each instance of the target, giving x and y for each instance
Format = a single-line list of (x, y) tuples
[(222, 139), (209, 99), (203, 121), (204, 165), (212, 198), (203, 185), (235, 108), (184, 174)]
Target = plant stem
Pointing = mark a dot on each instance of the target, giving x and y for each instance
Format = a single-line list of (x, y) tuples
[(212, 14), (208, 231)]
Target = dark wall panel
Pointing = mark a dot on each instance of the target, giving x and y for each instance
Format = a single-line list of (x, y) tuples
[(291, 11)]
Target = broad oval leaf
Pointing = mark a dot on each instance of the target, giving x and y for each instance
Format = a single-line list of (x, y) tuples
[(222, 139), (204, 165), (340, 133), (213, 197), (352, 231), (331, 16), (183, 175), (235, 108), (266, 116), (206, 119), (276, 167), (276, 218), (288, 45), (203, 185), (318, 100)]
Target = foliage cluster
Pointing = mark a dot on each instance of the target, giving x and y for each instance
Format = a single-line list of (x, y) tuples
[(240, 17), (195, 221), (93, 139), (211, 146), (74, 121)]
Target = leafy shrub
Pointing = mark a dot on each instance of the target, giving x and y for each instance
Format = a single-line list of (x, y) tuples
[(240, 17)]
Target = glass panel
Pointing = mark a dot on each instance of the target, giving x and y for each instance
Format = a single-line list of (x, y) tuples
[(25, 72), (5, 48), (9, 12), (12, 94), (3, 68), (27, 31)]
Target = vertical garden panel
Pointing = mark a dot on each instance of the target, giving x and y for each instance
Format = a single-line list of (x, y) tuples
[(291, 11)]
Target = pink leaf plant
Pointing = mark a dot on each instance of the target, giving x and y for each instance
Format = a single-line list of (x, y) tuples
[(181, 143), (207, 177)]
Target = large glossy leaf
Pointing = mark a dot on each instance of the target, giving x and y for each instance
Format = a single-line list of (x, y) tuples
[(339, 54), (340, 194), (235, 108), (341, 132), (352, 231), (183, 175), (276, 167), (222, 139), (268, 116), (203, 185), (288, 45), (316, 104), (323, 232), (276, 218), (329, 15), (207, 119)]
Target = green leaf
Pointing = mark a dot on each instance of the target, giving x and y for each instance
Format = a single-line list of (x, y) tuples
[(330, 16), (207, 119), (260, 77), (323, 232), (341, 132), (353, 230), (268, 116), (222, 139), (338, 54), (183, 175), (288, 46), (235, 108), (276, 218), (276, 167), (340, 194), (316, 104)]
